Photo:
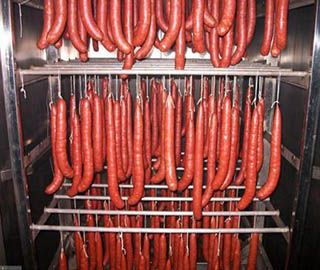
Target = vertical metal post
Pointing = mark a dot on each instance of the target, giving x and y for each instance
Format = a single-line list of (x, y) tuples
[(13, 118), (307, 149)]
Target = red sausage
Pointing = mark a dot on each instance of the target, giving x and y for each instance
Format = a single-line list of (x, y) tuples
[(162, 252), (142, 28), (138, 167), (161, 20), (181, 41), (111, 157), (227, 49), (225, 144), (116, 27), (73, 27), (168, 265), (251, 167), (227, 238), (117, 129), (193, 249), (99, 251), (102, 23), (87, 18), (154, 118), (268, 28), (78, 243), (128, 33), (147, 140), (83, 35), (142, 263), (170, 168), (112, 245), (214, 37), (86, 143), (106, 223), (237, 255), (228, 13), (97, 134), (197, 20), (189, 146), (282, 23), (63, 262), (235, 129), (48, 18), (260, 107), (251, 20), (128, 244), (61, 139), (146, 251), (77, 156), (275, 158), (60, 21), (124, 127), (241, 32), (198, 164), (178, 126), (129, 132), (57, 174), (253, 251), (118, 253), (91, 243), (173, 26)]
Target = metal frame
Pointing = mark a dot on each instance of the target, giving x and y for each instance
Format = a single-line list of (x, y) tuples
[(14, 127)]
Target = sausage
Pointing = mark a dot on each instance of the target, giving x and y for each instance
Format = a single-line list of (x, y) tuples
[(106, 223), (225, 144), (162, 252), (235, 130), (63, 262), (209, 20), (214, 37), (161, 20), (275, 158), (135, 12), (61, 139), (142, 263), (181, 253), (246, 131), (154, 118), (146, 251), (60, 21), (129, 132), (150, 39), (91, 243), (253, 251), (275, 51), (72, 108), (177, 126), (99, 251), (227, 49), (86, 143), (181, 42), (118, 253), (156, 244), (123, 262), (124, 142), (87, 18), (143, 25), (268, 28), (241, 32), (251, 20), (112, 245), (186, 263), (102, 23), (227, 238), (128, 243), (198, 164), (78, 243), (73, 27), (228, 14), (128, 33), (147, 140), (168, 9), (137, 242), (251, 167), (97, 123), (57, 174), (189, 146), (116, 27), (109, 30), (173, 26), (117, 128), (260, 107), (138, 167), (113, 188), (205, 236), (211, 161), (83, 35), (193, 249), (48, 18), (237, 255), (170, 168), (197, 20), (77, 156), (281, 23), (168, 265)]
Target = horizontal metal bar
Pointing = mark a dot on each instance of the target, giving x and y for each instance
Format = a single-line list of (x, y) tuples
[(159, 213), (155, 230), (147, 199), (31, 3), (124, 186)]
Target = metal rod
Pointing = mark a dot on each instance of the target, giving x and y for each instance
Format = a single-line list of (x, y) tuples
[(147, 199), (158, 213), (155, 230)]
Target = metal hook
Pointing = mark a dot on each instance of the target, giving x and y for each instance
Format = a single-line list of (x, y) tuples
[(277, 92), (59, 86), (85, 86)]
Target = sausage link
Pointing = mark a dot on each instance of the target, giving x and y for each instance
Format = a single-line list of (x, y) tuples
[(86, 143), (137, 242), (128, 33), (118, 253), (154, 118), (112, 245), (57, 174), (161, 20), (237, 255), (275, 158), (227, 238), (78, 243), (129, 131), (116, 27), (60, 21), (63, 262), (282, 23), (99, 251), (97, 134), (227, 18), (178, 125), (181, 42), (170, 168), (214, 37), (241, 32), (91, 243), (251, 20), (205, 236), (138, 167), (173, 26), (260, 107), (253, 251), (193, 249), (225, 144), (146, 251), (227, 49), (48, 18), (106, 236), (198, 164), (142, 263), (84, 264), (162, 252), (251, 167), (111, 157), (197, 20), (147, 140), (268, 28), (143, 25), (86, 13)]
